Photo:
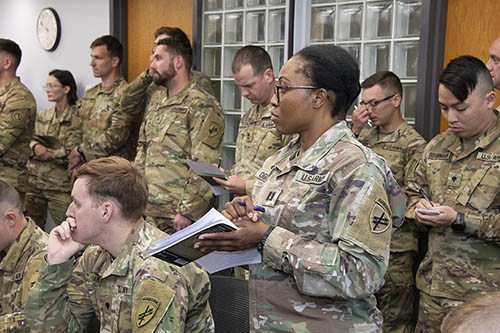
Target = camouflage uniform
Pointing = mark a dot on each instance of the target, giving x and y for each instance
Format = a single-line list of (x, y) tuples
[(17, 119), (18, 272), (134, 99), (333, 208), (257, 139), (131, 293), (103, 128), (188, 125), (401, 149), (48, 181), (465, 175)]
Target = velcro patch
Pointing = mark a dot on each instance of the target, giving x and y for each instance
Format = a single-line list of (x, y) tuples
[(439, 156), (212, 130), (380, 220), (307, 178), (488, 157), (150, 305)]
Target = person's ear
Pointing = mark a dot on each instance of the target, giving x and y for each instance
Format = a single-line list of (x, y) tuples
[(268, 76), (491, 98), (6, 63), (320, 97), (115, 61), (11, 218), (178, 62), (106, 210), (67, 89), (396, 100)]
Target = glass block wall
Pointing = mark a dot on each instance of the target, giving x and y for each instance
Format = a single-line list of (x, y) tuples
[(381, 35), (227, 26)]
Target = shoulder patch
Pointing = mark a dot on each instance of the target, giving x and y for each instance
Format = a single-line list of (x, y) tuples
[(150, 305), (212, 130), (380, 220)]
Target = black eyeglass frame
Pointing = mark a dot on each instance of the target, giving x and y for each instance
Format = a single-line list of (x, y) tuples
[(277, 88), (374, 104)]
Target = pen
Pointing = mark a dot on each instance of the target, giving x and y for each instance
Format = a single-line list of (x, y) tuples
[(425, 197), (257, 208)]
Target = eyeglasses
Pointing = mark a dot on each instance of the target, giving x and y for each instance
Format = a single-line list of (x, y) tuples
[(374, 104), (51, 86), (284, 88)]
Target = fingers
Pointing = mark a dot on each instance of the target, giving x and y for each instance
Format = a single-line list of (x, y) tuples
[(63, 231)]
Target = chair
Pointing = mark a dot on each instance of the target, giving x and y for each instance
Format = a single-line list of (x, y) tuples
[(229, 303)]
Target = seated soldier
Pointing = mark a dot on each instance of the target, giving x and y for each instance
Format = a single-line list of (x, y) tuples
[(115, 279), (22, 246)]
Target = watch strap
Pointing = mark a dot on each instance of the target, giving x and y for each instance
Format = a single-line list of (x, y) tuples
[(262, 242)]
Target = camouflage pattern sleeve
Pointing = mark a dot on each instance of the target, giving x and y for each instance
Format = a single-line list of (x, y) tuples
[(360, 218), (202, 81), (15, 117), (115, 135), (140, 157), (134, 96), (415, 148), (206, 131), (51, 306), (75, 132), (199, 318)]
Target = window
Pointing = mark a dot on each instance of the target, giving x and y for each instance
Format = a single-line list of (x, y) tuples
[(381, 35)]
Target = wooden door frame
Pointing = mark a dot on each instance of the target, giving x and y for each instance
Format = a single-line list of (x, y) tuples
[(118, 28)]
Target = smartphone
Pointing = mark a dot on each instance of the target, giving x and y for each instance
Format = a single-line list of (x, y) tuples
[(427, 212)]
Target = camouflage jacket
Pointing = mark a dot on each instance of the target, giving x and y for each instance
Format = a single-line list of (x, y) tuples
[(132, 293), (401, 149), (465, 175), (52, 174), (188, 125), (257, 139), (103, 128), (18, 272), (333, 208), (141, 91), (17, 119)]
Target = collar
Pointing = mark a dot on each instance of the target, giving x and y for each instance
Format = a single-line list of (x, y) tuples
[(9, 262), (110, 90), (394, 136), (491, 134), (181, 95), (13, 83), (309, 159), (137, 240)]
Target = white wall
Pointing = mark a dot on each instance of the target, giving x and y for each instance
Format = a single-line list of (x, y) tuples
[(82, 21)]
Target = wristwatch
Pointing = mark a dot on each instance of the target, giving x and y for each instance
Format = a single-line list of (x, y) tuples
[(459, 223), (262, 242)]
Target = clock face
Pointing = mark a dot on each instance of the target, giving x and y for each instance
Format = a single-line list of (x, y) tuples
[(48, 29)]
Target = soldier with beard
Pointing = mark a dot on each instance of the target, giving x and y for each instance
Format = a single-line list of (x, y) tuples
[(183, 122)]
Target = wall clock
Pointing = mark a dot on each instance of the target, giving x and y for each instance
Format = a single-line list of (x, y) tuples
[(48, 29)]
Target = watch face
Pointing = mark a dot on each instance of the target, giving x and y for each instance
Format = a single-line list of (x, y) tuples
[(48, 29)]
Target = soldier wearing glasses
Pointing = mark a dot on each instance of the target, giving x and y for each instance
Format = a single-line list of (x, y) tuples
[(392, 138), (330, 204)]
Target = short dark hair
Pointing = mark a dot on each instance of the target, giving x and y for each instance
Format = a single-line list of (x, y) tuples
[(113, 45), (115, 177), (462, 75), (66, 79), (11, 47), (9, 197), (179, 45), (254, 56), (171, 32), (332, 68), (385, 79)]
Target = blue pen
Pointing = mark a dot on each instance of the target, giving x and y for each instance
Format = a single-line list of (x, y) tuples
[(256, 208)]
